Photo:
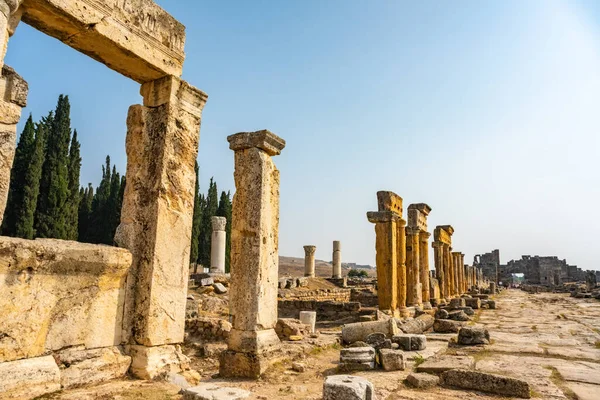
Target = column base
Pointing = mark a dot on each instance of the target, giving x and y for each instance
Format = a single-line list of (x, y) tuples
[(235, 364), (427, 305), (151, 362), (405, 312)]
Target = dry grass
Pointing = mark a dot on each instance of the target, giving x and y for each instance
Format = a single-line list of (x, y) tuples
[(560, 382)]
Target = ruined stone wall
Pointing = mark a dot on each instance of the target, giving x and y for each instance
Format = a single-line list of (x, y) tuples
[(366, 297), (326, 310), (342, 295), (489, 263)]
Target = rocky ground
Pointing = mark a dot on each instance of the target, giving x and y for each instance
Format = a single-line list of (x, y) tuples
[(552, 341)]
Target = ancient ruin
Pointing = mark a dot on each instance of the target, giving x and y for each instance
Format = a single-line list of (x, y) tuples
[(218, 243)]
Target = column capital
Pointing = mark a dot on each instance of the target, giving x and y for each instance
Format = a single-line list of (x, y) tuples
[(309, 249), (218, 223), (264, 140), (170, 89), (422, 207), (412, 231)]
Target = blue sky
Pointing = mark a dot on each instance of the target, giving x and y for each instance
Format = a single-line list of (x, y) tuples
[(487, 111)]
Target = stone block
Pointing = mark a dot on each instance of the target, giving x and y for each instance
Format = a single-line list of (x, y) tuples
[(417, 325), (220, 288), (422, 380), (468, 310), (484, 382), (287, 327), (440, 364), (377, 341), (56, 294), (290, 283), (282, 283), (392, 360), (150, 362), (245, 365), (309, 318), (357, 358), (441, 314), (389, 201), (456, 303), (472, 335), (302, 282), (458, 316), (29, 378), (210, 391), (447, 326), (208, 281), (347, 387), (410, 342), (79, 366), (360, 330), (474, 303)]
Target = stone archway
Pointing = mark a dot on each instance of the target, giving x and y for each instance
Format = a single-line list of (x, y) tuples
[(137, 39)]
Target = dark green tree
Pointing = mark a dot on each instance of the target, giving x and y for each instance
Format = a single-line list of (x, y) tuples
[(51, 219), (224, 210), (209, 211), (71, 210), (196, 221), (31, 186), (99, 225), (23, 154), (113, 209), (85, 212)]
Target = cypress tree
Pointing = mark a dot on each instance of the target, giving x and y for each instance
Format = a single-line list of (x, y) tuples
[(224, 210), (71, 210), (113, 207), (31, 186), (196, 221), (99, 225), (210, 210), (23, 154), (85, 213), (54, 189)]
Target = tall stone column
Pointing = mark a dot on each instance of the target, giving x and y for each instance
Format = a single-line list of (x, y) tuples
[(463, 273), (456, 271), (413, 276), (438, 259), (337, 260), (390, 245), (156, 220), (309, 260), (254, 255), (217, 245), (424, 268), (448, 276)]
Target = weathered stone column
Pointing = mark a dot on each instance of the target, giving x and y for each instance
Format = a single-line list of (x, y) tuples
[(337, 260), (463, 273), (10, 16), (456, 273), (309, 260), (254, 255), (156, 220), (413, 276), (438, 259), (424, 268), (217, 245), (13, 97), (390, 245), (448, 277)]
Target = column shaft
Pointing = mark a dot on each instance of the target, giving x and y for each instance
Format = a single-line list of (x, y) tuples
[(424, 267), (337, 260), (413, 276), (309, 261), (218, 245)]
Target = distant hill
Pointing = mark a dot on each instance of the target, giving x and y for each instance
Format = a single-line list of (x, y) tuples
[(294, 266)]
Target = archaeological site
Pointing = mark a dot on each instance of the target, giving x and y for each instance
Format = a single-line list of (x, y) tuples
[(136, 320)]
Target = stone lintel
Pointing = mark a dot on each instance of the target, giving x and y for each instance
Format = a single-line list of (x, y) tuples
[(264, 140), (389, 201), (456, 253), (172, 90), (447, 228), (384, 216), (422, 207), (136, 38)]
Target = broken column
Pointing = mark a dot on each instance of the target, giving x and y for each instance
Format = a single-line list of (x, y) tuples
[(156, 220), (438, 259), (217, 245), (390, 248), (254, 255), (442, 237), (413, 276), (456, 269), (418, 220), (309, 260), (337, 260)]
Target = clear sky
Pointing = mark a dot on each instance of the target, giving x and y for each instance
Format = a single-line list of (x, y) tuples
[(487, 111)]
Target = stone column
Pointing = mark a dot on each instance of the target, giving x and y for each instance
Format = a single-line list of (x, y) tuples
[(10, 16), (254, 255), (390, 245), (438, 259), (456, 271), (13, 97), (424, 268), (217, 245), (309, 260), (448, 276), (337, 260), (463, 273), (156, 220), (413, 275)]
